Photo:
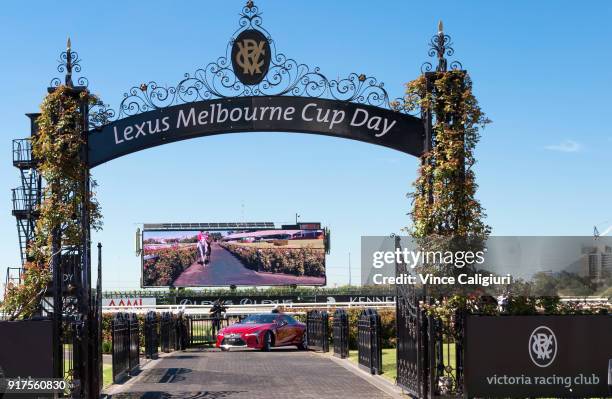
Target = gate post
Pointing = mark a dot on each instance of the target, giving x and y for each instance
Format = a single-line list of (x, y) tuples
[(134, 342), (151, 335), (317, 330), (369, 341), (119, 341), (340, 333)]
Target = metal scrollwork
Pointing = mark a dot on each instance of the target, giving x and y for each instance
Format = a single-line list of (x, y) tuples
[(440, 46), (285, 76), (217, 80), (69, 62), (100, 114)]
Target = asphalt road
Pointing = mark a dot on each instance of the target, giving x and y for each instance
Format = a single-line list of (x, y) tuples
[(281, 373), (225, 269)]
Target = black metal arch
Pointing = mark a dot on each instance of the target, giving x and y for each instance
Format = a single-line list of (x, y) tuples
[(217, 80), (287, 83)]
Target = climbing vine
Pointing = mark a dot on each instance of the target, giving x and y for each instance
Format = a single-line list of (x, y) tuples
[(445, 201), (57, 150)]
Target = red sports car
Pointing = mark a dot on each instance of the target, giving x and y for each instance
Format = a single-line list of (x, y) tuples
[(263, 331)]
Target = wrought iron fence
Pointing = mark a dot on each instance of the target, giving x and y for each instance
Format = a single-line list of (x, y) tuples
[(317, 330), (134, 333), (125, 345), (69, 336), (182, 333), (201, 330), (445, 355), (167, 332), (151, 335), (369, 341), (341, 333), (411, 349), (120, 347)]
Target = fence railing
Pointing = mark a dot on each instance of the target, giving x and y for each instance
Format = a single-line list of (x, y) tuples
[(369, 341), (341, 333), (151, 335), (445, 355), (134, 352), (203, 329), (167, 332), (120, 347), (317, 330)]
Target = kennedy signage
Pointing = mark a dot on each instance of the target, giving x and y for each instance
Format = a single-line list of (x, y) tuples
[(549, 356), (257, 114)]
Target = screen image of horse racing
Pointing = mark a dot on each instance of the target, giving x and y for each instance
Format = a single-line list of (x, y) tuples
[(224, 258)]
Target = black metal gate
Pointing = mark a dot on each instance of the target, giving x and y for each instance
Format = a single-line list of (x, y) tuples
[(151, 335), (429, 348), (202, 329), (167, 332), (134, 352), (341, 333), (411, 337), (120, 347), (317, 330), (369, 341)]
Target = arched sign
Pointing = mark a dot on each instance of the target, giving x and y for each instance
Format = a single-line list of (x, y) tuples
[(256, 114), (253, 88)]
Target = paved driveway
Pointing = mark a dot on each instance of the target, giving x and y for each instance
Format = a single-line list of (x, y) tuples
[(281, 373)]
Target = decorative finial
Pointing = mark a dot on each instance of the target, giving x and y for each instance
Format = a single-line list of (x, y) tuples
[(68, 79), (440, 46), (250, 4)]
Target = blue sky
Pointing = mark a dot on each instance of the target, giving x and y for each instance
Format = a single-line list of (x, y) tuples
[(541, 71)]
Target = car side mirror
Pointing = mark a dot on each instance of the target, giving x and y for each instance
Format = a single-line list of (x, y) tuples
[(282, 323)]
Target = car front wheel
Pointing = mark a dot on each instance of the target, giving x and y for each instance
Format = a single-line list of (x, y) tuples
[(302, 345), (267, 342)]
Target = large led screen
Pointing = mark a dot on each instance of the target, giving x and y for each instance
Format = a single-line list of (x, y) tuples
[(224, 258)]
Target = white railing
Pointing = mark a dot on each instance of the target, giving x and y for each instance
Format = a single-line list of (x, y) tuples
[(247, 309), (267, 307)]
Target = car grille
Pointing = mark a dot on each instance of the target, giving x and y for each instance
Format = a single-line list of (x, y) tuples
[(236, 341)]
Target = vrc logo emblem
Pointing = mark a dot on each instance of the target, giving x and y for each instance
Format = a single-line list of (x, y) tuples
[(251, 56), (542, 346)]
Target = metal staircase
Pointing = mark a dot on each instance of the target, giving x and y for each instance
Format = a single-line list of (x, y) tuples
[(26, 198)]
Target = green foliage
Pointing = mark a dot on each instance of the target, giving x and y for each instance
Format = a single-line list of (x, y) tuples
[(107, 334), (448, 308), (296, 261), (107, 346), (387, 323), (168, 265), (445, 201), (56, 149)]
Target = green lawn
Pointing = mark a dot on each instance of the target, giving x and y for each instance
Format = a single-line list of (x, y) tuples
[(389, 362), (107, 375)]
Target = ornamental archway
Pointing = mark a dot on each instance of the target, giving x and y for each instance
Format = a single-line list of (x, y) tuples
[(251, 88)]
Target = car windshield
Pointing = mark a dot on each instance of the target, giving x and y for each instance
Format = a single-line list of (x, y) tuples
[(259, 319)]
